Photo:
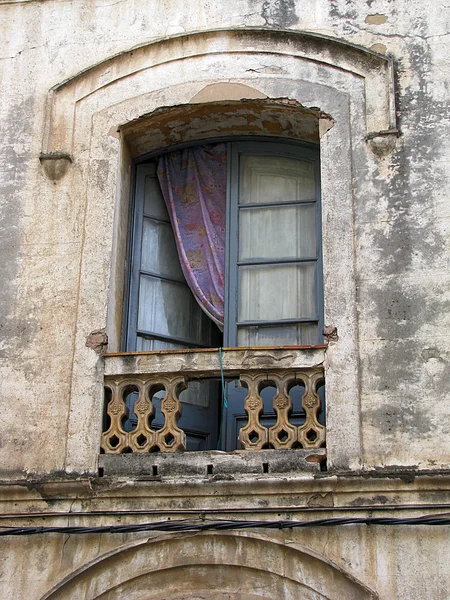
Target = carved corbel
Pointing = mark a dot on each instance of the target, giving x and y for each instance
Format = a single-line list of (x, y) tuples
[(382, 143), (55, 164)]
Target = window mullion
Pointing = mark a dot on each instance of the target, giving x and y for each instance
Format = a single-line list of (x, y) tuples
[(275, 204), (163, 277), (154, 335)]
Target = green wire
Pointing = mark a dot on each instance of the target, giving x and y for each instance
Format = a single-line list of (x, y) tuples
[(224, 392), (224, 397)]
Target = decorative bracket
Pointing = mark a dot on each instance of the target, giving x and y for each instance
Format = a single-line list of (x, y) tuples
[(55, 164), (382, 143)]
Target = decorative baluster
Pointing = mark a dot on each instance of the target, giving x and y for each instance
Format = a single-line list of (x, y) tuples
[(253, 436), (142, 439), (312, 434), (114, 440), (171, 438), (282, 434)]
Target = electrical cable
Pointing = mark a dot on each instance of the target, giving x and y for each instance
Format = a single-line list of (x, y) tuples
[(235, 510), (226, 525)]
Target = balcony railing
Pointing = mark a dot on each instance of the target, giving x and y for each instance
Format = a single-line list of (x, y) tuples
[(147, 373)]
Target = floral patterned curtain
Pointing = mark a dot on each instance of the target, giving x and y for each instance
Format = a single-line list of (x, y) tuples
[(193, 183)]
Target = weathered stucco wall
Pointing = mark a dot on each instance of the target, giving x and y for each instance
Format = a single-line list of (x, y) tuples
[(386, 225), (340, 562), (401, 213)]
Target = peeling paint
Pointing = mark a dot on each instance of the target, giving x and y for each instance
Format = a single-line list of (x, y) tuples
[(375, 19), (380, 48), (279, 117), (97, 340)]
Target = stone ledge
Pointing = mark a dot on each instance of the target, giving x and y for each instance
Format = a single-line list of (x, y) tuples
[(206, 362), (244, 494), (214, 465)]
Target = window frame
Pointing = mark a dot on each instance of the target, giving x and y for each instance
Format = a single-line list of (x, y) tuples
[(136, 271), (283, 148), (235, 145)]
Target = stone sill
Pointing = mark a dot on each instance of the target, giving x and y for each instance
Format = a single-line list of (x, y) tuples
[(205, 362), (214, 464)]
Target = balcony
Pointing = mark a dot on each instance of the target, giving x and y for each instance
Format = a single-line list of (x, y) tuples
[(293, 375)]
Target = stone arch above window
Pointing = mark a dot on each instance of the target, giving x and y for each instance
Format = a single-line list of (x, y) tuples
[(257, 54), (217, 565)]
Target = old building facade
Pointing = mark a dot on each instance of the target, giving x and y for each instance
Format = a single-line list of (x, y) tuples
[(346, 101)]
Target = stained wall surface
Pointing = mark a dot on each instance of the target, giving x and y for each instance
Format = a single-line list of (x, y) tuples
[(382, 111), (401, 212)]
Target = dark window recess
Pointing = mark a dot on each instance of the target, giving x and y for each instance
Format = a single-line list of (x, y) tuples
[(273, 245)]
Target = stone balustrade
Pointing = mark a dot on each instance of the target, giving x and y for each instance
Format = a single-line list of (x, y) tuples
[(147, 373)]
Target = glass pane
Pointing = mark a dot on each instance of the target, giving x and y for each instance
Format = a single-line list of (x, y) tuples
[(279, 232), (275, 179), (145, 345), (275, 292), (170, 309), (154, 205), (301, 334), (199, 393), (159, 254)]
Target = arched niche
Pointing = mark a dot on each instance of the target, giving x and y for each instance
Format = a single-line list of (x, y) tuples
[(241, 566), (109, 114)]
